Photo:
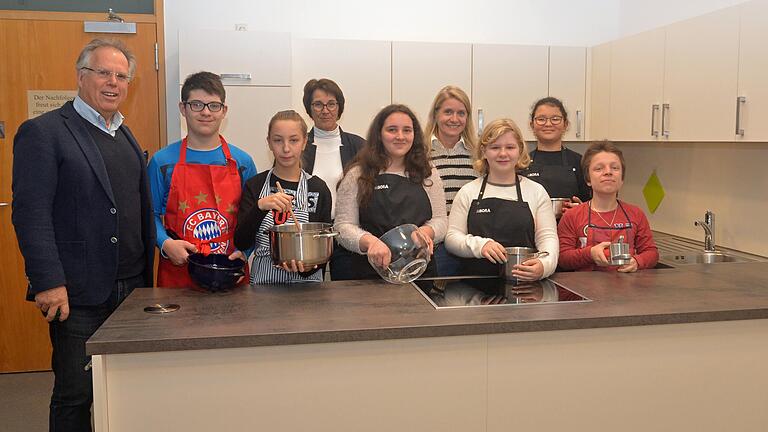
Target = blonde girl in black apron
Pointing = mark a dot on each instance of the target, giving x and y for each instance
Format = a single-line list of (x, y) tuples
[(482, 226)]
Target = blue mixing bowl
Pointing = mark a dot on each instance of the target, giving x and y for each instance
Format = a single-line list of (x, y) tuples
[(215, 272)]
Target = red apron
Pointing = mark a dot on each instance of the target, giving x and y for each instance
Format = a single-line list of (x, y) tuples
[(202, 209)]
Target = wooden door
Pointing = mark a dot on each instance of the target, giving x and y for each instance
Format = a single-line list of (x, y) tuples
[(40, 54)]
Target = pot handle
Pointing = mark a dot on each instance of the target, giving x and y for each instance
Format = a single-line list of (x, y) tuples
[(326, 235), (541, 254)]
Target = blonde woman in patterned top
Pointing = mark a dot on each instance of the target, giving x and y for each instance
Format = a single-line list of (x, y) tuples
[(451, 136)]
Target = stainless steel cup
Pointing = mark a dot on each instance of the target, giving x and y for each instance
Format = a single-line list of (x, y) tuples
[(619, 253)]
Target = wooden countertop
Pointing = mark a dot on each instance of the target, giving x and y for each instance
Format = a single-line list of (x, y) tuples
[(267, 315)]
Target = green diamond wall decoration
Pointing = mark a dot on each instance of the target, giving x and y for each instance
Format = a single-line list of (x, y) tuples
[(653, 192)]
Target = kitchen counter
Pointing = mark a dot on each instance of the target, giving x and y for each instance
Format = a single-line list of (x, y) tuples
[(654, 350), (270, 315)]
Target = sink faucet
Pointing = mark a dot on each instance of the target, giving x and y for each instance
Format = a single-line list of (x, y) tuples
[(709, 230)]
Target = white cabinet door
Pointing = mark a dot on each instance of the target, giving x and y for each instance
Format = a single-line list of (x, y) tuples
[(420, 69), (700, 77), (241, 58), (753, 71), (636, 86), (598, 120), (507, 80), (567, 82), (249, 109), (363, 70)]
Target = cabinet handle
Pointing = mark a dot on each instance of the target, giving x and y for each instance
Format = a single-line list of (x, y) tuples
[(654, 111), (236, 76), (578, 124), (664, 121), (480, 121), (4, 204), (739, 102)]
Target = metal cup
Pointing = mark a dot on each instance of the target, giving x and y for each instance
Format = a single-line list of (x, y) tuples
[(619, 253)]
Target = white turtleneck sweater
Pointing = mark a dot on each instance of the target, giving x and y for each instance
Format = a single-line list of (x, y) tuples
[(328, 160)]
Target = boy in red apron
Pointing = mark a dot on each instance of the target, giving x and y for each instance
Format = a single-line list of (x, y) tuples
[(196, 183)]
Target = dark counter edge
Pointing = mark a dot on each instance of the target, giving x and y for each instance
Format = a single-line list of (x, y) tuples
[(277, 339)]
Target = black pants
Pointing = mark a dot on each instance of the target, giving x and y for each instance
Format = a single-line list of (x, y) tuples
[(73, 385)]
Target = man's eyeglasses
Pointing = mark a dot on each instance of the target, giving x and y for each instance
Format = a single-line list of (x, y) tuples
[(197, 106), (331, 105), (106, 75), (555, 120)]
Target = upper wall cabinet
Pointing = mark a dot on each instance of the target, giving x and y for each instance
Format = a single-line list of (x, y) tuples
[(259, 59), (599, 92), (688, 81), (506, 81), (362, 69), (753, 71), (700, 77), (567, 82), (636, 87), (420, 69)]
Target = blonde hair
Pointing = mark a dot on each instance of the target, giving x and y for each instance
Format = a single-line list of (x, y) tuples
[(445, 93), (491, 133)]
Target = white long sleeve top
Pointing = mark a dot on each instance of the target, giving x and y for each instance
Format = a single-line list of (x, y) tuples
[(463, 244)]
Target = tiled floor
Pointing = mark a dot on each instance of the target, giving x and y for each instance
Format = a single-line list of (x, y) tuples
[(24, 400)]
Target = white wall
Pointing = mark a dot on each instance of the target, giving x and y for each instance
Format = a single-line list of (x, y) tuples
[(555, 22)]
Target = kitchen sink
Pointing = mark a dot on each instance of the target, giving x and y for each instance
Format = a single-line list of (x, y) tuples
[(702, 258)]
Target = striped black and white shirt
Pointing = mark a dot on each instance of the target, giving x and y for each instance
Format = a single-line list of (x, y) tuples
[(454, 166)]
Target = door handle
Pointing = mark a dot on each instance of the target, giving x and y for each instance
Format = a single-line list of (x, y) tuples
[(654, 111), (664, 121), (578, 123), (4, 204), (235, 76), (480, 121), (2, 129), (739, 102)]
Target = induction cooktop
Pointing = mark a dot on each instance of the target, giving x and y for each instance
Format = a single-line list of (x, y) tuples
[(479, 291)]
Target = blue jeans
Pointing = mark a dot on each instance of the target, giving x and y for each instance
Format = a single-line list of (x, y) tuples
[(73, 385), (447, 263)]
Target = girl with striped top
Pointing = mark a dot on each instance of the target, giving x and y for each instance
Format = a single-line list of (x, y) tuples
[(263, 205)]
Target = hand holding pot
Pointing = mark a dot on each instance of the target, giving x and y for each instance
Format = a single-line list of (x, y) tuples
[(597, 252), (178, 251), (531, 270), (629, 268), (494, 252), (295, 266), (572, 203), (281, 202)]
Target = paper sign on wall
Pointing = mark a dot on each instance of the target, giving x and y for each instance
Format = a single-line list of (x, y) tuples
[(42, 101)]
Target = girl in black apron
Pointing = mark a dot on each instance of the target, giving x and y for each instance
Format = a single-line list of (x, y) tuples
[(265, 205), (390, 183), (552, 165), (482, 226)]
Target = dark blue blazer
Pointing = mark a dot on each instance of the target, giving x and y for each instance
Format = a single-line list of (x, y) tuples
[(63, 208)]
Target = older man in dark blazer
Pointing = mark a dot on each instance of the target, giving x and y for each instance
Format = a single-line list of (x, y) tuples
[(83, 219)]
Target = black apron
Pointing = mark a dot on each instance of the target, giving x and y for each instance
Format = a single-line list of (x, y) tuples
[(396, 200), (508, 222), (560, 181)]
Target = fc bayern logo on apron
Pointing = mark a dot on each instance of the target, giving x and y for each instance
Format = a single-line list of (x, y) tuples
[(207, 224)]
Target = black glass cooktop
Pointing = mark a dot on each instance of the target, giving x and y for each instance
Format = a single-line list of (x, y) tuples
[(456, 292)]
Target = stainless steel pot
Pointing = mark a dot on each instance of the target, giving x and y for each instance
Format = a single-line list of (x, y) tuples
[(313, 245), (518, 255)]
